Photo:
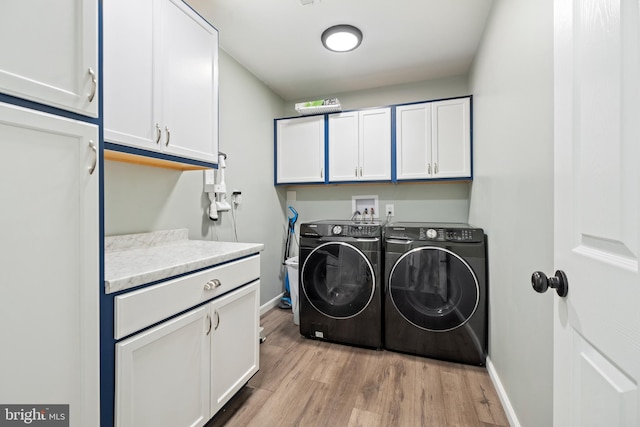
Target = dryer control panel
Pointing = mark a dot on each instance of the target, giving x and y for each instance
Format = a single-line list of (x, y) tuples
[(435, 232)]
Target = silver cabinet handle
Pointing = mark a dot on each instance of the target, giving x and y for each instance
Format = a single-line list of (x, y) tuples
[(435, 169), (321, 172), (356, 171), (209, 320), (360, 170), (429, 168), (94, 85), (217, 320), (166, 128), (92, 168), (158, 133), (212, 284)]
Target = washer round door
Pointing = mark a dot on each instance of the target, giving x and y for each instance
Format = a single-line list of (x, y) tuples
[(434, 289), (338, 280)]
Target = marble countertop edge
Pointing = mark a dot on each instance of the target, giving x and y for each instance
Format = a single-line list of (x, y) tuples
[(134, 260)]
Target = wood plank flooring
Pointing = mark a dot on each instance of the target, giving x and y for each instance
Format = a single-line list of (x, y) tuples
[(310, 383)]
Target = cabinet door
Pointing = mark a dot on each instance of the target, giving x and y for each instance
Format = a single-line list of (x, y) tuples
[(451, 136), (50, 52), (413, 141), (234, 342), (300, 150), (375, 145), (187, 79), (343, 147), (128, 51), (162, 375), (50, 324)]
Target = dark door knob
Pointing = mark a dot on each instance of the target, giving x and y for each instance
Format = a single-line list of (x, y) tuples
[(559, 282)]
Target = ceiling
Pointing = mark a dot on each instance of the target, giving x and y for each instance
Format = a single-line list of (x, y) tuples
[(404, 41)]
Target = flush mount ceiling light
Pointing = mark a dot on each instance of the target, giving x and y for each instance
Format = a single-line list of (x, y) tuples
[(341, 38)]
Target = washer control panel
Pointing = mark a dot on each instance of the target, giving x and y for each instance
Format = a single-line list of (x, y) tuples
[(340, 229), (447, 234)]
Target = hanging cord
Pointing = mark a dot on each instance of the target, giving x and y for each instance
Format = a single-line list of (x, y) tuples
[(233, 218)]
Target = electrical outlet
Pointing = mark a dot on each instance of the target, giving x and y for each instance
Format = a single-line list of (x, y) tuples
[(390, 210)]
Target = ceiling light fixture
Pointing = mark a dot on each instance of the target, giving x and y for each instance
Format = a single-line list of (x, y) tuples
[(341, 38)]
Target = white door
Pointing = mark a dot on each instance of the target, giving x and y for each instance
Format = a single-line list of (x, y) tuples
[(597, 212), (50, 52), (162, 374), (300, 150), (187, 79), (49, 263), (128, 51), (413, 141), (451, 139), (375, 144), (235, 352), (343, 146)]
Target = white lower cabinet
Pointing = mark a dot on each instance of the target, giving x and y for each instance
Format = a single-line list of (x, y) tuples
[(235, 341), (181, 372)]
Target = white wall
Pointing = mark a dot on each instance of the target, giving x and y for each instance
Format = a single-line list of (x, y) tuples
[(141, 199), (512, 197), (397, 94)]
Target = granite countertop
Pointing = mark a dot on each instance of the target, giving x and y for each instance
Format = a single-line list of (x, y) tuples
[(135, 259)]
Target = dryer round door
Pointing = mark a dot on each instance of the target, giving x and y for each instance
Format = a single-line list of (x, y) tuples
[(434, 289), (338, 280)]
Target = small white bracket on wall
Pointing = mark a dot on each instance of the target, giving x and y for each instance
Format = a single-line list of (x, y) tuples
[(367, 206)]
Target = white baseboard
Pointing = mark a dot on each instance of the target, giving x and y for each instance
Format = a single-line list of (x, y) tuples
[(270, 304), (502, 394)]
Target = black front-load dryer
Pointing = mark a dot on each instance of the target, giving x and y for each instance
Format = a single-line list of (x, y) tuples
[(436, 291), (340, 282)]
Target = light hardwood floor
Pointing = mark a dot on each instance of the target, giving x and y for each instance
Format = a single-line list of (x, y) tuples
[(310, 383)]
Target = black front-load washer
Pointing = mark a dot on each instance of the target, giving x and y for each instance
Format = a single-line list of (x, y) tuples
[(436, 291), (340, 282)]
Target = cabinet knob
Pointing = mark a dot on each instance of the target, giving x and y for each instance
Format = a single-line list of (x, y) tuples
[(210, 324), (94, 84), (158, 133), (92, 168), (212, 284)]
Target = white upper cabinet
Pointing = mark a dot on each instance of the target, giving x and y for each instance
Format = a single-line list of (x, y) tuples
[(161, 78), (360, 145), (433, 140), (300, 150), (49, 53)]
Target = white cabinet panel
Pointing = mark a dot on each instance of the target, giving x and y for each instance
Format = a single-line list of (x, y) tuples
[(128, 52), (375, 144), (451, 138), (234, 342), (188, 68), (300, 150), (57, 48), (343, 146), (413, 141), (433, 140), (162, 375), (360, 145), (50, 227)]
